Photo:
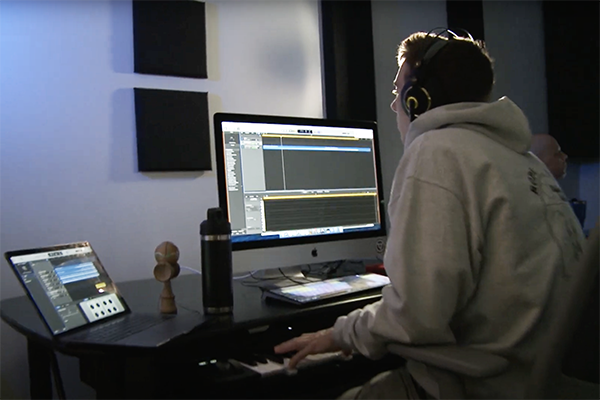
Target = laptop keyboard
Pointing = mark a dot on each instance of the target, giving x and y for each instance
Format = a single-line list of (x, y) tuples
[(121, 328)]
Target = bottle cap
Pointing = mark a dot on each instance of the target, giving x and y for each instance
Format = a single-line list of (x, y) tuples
[(216, 223)]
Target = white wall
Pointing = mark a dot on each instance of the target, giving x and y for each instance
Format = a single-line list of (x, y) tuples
[(393, 21), (514, 36), (67, 131), (518, 51), (67, 139)]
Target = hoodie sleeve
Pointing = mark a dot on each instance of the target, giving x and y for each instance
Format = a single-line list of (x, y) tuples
[(427, 260)]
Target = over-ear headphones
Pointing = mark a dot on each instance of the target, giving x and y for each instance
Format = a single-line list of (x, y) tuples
[(416, 99)]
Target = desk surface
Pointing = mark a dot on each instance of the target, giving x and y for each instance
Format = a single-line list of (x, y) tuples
[(254, 322), (250, 309)]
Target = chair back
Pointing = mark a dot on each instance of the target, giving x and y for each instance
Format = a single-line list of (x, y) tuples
[(546, 374)]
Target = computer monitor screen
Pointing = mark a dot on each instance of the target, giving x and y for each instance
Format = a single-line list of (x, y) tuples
[(288, 180)]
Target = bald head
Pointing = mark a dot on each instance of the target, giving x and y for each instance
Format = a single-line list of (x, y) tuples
[(547, 149)]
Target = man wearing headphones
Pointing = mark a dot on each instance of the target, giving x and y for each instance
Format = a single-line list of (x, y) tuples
[(467, 257)]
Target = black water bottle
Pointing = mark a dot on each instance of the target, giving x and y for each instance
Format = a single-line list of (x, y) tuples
[(215, 245)]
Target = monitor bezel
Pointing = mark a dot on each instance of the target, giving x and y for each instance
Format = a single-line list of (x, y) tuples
[(220, 117)]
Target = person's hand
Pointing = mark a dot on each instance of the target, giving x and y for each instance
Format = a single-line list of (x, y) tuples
[(309, 343)]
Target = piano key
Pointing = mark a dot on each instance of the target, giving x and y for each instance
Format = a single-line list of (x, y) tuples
[(247, 359), (271, 367), (264, 369), (260, 358), (276, 358), (312, 360)]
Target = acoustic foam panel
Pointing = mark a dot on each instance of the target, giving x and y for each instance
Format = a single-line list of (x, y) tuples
[(169, 38), (172, 130)]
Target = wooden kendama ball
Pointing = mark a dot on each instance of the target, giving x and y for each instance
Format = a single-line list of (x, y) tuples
[(166, 269)]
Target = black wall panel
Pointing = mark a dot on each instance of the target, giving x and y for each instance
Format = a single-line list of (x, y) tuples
[(172, 130)]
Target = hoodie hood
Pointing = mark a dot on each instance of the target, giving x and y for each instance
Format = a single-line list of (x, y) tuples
[(502, 121)]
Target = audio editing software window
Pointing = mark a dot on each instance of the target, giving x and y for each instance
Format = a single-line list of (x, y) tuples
[(288, 181), (62, 282)]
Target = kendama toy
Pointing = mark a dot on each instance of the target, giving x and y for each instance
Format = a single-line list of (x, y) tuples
[(166, 269)]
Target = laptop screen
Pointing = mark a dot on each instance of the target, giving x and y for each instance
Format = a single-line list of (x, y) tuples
[(68, 285)]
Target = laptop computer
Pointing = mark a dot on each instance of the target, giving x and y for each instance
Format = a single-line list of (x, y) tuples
[(79, 302)]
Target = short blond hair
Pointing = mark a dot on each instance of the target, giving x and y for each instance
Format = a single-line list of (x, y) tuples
[(462, 68)]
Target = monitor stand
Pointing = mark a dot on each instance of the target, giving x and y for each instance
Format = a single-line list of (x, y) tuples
[(283, 273), (288, 276), (326, 270)]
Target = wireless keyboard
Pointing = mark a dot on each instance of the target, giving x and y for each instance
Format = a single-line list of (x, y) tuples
[(329, 288)]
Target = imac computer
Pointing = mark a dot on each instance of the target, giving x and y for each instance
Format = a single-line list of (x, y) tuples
[(299, 190)]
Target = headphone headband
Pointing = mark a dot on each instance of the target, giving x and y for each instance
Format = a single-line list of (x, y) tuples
[(415, 98)]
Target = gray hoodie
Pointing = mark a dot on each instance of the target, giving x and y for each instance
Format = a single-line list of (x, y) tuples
[(480, 242)]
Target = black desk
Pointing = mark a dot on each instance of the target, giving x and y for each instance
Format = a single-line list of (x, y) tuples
[(118, 372)]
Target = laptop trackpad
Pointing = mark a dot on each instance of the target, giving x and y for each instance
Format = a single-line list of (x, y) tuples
[(164, 332)]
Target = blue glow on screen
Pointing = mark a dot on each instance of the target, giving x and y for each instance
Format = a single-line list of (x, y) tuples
[(76, 273), (258, 237), (316, 148)]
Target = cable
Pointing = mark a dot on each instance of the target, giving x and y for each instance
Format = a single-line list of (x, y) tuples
[(290, 279), (191, 269), (253, 284), (244, 276), (234, 278), (259, 282), (189, 309), (320, 272), (312, 279), (309, 269), (327, 269), (262, 279)]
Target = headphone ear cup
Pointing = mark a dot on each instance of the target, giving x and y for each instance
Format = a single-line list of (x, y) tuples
[(417, 99)]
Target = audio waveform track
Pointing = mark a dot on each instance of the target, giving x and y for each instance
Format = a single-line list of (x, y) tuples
[(306, 213)]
